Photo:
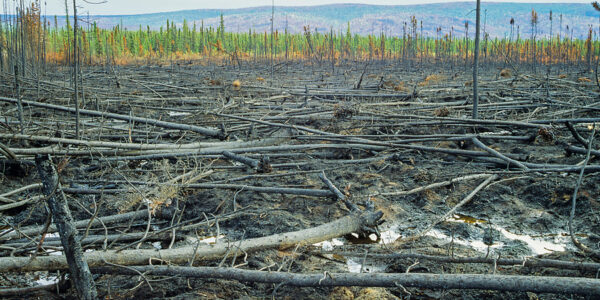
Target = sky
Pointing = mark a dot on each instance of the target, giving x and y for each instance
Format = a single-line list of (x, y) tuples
[(121, 7)]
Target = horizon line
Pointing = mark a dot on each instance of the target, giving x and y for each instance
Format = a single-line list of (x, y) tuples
[(320, 5)]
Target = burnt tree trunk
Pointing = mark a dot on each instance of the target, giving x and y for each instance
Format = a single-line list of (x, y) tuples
[(476, 60), (57, 202)]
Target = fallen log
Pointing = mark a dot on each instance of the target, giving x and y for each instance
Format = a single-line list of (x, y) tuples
[(532, 262), (442, 120), (432, 186), (511, 283), (164, 124), (464, 201), (339, 227), (573, 120), (161, 154), (574, 149), (33, 230), (23, 291), (250, 162), (134, 146), (498, 154), (5, 151), (240, 187)]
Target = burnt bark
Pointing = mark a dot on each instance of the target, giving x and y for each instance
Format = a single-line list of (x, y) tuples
[(559, 285), (476, 60), (57, 202), (201, 130)]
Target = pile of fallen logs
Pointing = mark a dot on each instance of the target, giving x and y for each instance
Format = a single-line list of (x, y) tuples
[(263, 134)]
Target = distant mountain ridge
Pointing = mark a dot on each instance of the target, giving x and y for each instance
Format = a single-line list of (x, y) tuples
[(373, 19)]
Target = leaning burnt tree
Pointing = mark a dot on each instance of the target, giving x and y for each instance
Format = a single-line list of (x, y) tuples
[(61, 214)]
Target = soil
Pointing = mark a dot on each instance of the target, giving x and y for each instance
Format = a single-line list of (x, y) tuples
[(393, 103)]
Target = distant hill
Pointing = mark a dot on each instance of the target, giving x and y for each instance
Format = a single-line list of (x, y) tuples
[(373, 19)]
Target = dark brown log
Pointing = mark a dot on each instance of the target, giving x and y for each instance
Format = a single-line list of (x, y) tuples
[(576, 134), (498, 154), (351, 206), (538, 284), (579, 150), (80, 272), (33, 230), (23, 291), (262, 189), (528, 263), (252, 163)]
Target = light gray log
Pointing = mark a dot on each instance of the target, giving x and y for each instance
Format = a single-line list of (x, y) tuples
[(339, 227), (202, 130)]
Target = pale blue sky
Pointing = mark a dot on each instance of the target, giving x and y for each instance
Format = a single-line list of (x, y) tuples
[(112, 7)]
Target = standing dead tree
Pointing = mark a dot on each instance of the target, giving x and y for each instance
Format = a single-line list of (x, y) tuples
[(75, 69), (534, 21), (272, 25), (597, 8), (476, 59)]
